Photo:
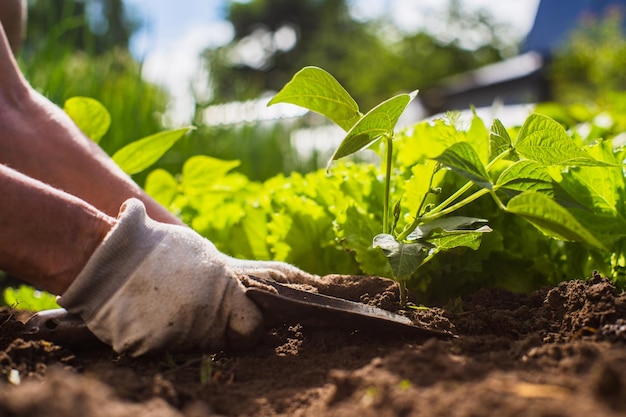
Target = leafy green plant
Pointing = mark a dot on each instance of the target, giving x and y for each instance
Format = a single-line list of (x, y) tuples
[(515, 173), (568, 183), (27, 298)]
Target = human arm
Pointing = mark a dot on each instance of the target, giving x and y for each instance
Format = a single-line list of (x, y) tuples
[(13, 18), (142, 286), (46, 235)]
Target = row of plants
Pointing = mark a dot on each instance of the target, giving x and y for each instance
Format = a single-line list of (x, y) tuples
[(453, 204)]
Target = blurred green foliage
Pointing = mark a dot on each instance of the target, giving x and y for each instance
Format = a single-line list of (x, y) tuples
[(80, 48), (67, 54), (94, 26), (589, 67)]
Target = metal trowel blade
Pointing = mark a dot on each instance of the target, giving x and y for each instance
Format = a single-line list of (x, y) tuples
[(293, 306)]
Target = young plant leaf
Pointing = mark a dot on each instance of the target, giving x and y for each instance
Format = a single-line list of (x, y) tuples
[(464, 239), (89, 115), (162, 186), (404, 258), (379, 121), (141, 154), (462, 158), (499, 139), (478, 137), (317, 90), (551, 218), (545, 141), (446, 225), (527, 175)]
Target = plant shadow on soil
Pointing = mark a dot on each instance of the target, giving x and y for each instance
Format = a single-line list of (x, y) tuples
[(556, 352)]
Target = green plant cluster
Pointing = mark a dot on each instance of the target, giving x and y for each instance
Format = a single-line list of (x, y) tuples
[(557, 208), (570, 188), (589, 66), (541, 176)]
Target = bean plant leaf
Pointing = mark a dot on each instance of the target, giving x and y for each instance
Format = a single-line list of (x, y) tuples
[(551, 218), (447, 225), (464, 239), (478, 137), (89, 115), (527, 175), (462, 158), (141, 154), (404, 258), (378, 122), (499, 139), (317, 90), (601, 191), (546, 141)]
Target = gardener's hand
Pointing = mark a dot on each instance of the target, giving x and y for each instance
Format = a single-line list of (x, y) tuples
[(151, 287)]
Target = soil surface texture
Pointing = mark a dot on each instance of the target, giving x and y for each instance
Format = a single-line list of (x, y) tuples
[(557, 352)]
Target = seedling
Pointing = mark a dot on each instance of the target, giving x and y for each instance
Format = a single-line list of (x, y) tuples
[(524, 188)]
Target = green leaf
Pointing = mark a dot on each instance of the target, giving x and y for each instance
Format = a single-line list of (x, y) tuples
[(527, 175), (317, 90), (417, 187), (201, 172), (466, 239), (254, 225), (478, 137), (142, 153), (355, 233), (447, 225), (404, 258), (161, 186), (28, 298), (545, 141), (378, 122), (597, 188), (89, 115), (462, 158), (499, 139), (551, 218), (601, 191)]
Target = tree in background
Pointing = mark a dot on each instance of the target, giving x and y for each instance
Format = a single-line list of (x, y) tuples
[(589, 67), (373, 59)]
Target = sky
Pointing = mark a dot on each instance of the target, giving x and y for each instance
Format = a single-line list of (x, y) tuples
[(175, 32)]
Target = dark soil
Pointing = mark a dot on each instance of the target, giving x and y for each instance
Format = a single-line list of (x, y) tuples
[(556, 352)]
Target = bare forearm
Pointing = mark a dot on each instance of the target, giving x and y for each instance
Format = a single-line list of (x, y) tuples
[(39, 140), (46, 235), (13, 18)]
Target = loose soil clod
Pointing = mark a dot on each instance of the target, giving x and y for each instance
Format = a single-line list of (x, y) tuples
[(556, 352)]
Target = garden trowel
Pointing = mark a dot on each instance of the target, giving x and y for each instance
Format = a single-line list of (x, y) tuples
[(280, 305)]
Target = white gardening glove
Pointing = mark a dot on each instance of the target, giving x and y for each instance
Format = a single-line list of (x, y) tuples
[(151, 287), (273, 270)]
